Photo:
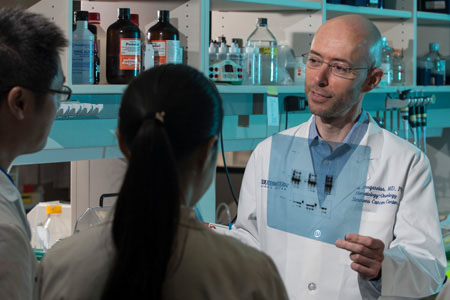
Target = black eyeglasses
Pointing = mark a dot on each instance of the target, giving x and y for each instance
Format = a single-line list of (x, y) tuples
[(61, 95), (340, 69)]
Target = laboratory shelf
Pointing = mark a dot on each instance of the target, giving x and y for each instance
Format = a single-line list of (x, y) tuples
[(93, 89), (432, 89), (76, 139), (412, 88), (264, 5), (334, 10), (429, 18), (259, 89)]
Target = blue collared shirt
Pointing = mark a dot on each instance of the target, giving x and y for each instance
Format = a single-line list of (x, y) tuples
[(328, 163)]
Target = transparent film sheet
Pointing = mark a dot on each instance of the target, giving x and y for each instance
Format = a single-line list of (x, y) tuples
[(318, 204)]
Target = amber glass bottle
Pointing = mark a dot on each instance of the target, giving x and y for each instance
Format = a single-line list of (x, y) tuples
[(165, 40), (123, 49)]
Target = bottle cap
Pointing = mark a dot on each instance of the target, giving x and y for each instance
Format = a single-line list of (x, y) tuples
[(262, 21), (94, 18), (124, 13), (82, 15), (135, 19), (163, 14), (434, 46), (53, 209), (212, 48)]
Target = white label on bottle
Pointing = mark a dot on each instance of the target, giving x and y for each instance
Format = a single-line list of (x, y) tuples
[(149, 57), (435, 5), (166, 52), (82, 61), (130, 47)]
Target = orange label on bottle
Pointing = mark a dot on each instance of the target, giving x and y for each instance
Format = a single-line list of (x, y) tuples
[(130, 54)]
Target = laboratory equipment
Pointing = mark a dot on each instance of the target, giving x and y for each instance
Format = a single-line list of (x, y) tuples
[(360, 2), (212, 52), (94, 21), (438, 6), (398, 68), (251, 70), (431, 67), (50, 222), (82, 51), (226, 71), (413, 114), (165, 40), (376, 3), (222, 52), (438, 63), (266, 61), (94, 215), (286, 65), (386, 64), (123, 49)]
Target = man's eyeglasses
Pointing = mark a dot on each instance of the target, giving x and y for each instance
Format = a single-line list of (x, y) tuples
[(61, 95), (338, 68)]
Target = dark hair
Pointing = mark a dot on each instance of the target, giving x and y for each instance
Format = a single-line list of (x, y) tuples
[(29, 46), (147, 210)]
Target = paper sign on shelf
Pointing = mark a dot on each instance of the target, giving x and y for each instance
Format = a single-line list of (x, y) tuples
[(273, 113)]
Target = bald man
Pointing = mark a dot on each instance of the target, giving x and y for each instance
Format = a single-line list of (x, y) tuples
[(346, 209)]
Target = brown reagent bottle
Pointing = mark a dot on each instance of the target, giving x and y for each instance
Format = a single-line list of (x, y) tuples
[(165, 40), (123, 48)]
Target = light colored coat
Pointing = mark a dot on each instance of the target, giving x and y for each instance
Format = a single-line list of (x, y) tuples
[(414, 262), (212, 266), (18, 264)]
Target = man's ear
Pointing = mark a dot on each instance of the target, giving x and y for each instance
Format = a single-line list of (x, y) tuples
[(372, 80), (122, 146), (17, 100)]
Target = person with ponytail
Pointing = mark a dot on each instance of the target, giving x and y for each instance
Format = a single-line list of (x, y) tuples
[(152, 247)]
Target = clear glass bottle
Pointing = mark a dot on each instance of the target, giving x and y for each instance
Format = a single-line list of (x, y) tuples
[(398, 68), (123, 48), (82, 51), (386, 64), (424, 67), (266, 42), (165, 40), (437, 65), (250, 70)]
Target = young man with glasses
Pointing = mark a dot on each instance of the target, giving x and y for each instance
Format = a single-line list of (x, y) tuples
[(345, 208), (31, 86)]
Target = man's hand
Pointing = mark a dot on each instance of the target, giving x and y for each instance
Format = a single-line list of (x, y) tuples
[(365, 252)]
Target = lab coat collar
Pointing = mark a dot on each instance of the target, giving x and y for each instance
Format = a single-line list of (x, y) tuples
[(9, 190)]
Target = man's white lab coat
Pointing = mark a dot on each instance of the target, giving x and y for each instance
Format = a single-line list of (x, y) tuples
[(414, 262), (18, 265)]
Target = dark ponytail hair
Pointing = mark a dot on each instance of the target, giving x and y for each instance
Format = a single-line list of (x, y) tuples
[(147, 210)]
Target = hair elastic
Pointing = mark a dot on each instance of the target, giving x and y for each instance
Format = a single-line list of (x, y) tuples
[(156, 115)]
